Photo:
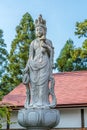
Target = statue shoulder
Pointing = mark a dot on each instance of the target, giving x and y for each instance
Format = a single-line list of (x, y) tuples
[(32, 43), (49, 42)]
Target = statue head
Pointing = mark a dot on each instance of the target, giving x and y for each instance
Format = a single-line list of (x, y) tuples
[(40, 26)]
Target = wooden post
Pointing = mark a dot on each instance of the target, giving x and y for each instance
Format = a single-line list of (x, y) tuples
[(82, 120)]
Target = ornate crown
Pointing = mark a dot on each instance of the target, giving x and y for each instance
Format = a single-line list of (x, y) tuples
[(40, 22)]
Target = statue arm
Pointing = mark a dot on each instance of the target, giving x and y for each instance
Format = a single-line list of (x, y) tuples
[(52, 57), (31, 51), (51, 54), (50, 48)]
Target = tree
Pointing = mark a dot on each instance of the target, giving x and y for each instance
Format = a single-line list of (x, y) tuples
[(77, 57), (3, 56), (78, 61), (20, 49), (64, 61), (3, 63), (70, 58), (81, 31), (5, 114)]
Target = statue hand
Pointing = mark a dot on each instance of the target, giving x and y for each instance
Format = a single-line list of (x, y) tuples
[(26, 70), (44, 45), (26, 79)]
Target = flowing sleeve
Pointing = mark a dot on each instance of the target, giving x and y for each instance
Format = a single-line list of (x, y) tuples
[(31, 51), (51, 53), (31, 54)]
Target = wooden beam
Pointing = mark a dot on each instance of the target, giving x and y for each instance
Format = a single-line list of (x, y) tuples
[(82, 119)]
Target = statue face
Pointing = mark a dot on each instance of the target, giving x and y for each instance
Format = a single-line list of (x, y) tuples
[(39, 31)]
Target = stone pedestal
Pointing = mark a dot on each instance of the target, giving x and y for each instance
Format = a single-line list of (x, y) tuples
[(38, 118)]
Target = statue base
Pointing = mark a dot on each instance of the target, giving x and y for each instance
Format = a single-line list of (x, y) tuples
[(38, 118)]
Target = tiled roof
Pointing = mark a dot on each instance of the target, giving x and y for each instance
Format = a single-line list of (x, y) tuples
[(70, 89), (16, 97)]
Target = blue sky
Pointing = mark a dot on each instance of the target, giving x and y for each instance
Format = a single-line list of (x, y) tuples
[(61, 17)]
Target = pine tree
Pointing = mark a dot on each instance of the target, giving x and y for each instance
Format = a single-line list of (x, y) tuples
[(75, 58), (4, 88), (3, 65), (25, 33), (70, 58), (64, 61), (81, 31), (3, 56)]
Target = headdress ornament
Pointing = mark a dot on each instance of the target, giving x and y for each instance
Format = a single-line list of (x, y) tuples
[(40, 22)]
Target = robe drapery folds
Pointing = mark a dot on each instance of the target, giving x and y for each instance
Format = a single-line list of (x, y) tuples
[(40, 65)]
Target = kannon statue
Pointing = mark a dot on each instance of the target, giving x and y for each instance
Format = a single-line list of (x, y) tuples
[(38, 77)]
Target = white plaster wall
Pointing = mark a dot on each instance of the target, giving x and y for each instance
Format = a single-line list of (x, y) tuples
[(85, 117), (70, 118)]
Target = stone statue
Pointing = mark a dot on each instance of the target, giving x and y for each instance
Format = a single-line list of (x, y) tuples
[(38, 71), (38, 112)]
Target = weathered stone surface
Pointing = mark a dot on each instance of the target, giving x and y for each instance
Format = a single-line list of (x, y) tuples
[(38, 118), (38, 113), (38, 71)]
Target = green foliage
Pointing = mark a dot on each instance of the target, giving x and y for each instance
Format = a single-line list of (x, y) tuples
[(81, 29), (4, 113), (5, 86), (3, 55), (77, 60), (3, 64), (71, 58), (84, 49), (64, 61), (25, 33)]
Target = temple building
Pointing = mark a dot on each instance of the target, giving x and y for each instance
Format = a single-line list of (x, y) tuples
[(71, 93)]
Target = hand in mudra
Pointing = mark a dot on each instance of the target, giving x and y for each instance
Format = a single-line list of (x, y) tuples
[(44, 45)]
